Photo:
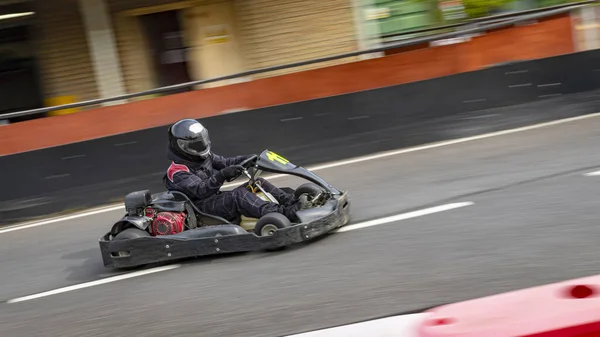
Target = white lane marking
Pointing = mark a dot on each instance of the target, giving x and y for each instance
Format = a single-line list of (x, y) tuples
[(94, 283), (59, 219), (520, 85), (475, 100), (361, 225), (73, 157), (449, 142), (516, 72), (481, 116), (126, 143), (592, 174), (57, 176), (396, 326), (404, 216), (291, 119), (93, 211), (549, 85), (370, 157)]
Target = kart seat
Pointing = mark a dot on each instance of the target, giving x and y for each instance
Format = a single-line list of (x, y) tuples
[(205, 218)]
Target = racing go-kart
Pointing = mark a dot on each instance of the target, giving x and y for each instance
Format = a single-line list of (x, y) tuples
[(168, 226)]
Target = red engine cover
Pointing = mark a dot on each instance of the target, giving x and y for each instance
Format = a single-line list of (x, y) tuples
[(167, 223)]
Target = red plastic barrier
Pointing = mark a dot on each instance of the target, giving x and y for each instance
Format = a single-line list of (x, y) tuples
[(564, 309)]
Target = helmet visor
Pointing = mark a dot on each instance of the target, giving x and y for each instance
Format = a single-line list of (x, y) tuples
[(198, 147)]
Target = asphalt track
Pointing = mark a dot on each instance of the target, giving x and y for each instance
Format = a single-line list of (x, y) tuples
[(534, 219)]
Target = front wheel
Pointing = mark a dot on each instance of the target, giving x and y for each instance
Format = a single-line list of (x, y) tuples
[(311, 189), (270, 223)]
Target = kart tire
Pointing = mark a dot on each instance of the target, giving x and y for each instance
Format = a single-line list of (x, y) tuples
[(271, 222), (131, 233), (309, 188)]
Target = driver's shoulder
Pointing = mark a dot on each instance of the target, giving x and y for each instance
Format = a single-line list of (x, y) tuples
[(175, 168)]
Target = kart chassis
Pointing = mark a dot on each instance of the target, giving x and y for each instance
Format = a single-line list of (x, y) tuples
[(219, 236)]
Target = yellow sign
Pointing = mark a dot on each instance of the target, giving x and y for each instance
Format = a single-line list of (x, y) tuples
[(275, 157), (61, 100), (216, 34)]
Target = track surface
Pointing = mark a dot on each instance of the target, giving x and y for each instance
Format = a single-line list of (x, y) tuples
[(534, 220)]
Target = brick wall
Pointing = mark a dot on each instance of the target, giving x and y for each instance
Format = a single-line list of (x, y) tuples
[(548, 38), (132, 49), (62, 49), (136, 64), (275, 32), (131, 45)]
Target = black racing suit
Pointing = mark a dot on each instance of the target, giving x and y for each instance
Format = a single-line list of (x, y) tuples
[(201, 182)]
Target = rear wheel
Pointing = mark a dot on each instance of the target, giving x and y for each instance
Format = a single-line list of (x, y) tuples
[(131, 233)]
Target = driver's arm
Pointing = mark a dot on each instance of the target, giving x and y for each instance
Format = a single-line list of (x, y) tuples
[(199, 185), (221, 162)]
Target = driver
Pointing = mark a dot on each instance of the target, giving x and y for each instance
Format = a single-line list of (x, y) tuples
[(200, 173)]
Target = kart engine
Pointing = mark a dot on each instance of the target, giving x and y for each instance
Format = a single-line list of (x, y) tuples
[(167, 223)]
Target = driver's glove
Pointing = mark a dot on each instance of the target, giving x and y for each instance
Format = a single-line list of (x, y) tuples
[(232, 171)]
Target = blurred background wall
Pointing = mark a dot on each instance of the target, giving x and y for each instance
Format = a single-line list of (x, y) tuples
[(54, 52)]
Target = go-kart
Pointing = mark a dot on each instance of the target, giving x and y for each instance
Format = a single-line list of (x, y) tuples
[(168, 226)]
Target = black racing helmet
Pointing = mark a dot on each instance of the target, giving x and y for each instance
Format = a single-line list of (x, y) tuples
[(190, 139)]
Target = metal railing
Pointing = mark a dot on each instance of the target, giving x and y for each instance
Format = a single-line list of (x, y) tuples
[(405, 43), (484, 20)]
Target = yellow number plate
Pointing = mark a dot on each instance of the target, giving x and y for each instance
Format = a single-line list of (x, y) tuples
[(275, 157)]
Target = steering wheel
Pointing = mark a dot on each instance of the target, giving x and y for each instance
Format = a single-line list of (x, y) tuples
[(246, 164), (249, 162)]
